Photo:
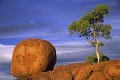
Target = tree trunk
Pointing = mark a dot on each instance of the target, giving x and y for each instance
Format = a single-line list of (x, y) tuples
[(97, 51), (96, 43)]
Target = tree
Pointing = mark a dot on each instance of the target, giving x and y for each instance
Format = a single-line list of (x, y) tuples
[(92, 28)]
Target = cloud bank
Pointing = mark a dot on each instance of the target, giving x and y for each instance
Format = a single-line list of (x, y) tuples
[(71, 50)]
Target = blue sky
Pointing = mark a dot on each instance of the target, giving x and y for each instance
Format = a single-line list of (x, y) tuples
[(49, 20), (21, 19)]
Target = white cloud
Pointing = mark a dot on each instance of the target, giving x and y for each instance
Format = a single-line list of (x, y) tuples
[(62, 48), (4, 76), (73, 49), (1, 45), (5, 58), (75, 42), (116, 37), (6, 52)]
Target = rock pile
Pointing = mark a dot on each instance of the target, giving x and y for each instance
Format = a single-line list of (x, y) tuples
[(109, 70)]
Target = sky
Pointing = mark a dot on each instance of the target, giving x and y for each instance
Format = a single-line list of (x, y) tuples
[(21, 19), (49, 20)]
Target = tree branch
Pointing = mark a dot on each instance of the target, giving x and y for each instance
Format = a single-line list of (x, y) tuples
[(89, 40)]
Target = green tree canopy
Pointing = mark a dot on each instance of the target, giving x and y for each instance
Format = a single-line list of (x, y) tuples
[(91, 26)]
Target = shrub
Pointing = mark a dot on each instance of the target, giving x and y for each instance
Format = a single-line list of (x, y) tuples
[(93, 58)]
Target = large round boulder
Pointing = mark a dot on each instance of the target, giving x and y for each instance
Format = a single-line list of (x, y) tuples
[(32, 56)]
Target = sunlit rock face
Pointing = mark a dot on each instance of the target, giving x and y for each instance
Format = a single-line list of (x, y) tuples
[(32, 56), (108, 70)]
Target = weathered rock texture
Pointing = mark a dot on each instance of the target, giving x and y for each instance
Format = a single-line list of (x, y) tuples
[(32, 56), (109, 70)]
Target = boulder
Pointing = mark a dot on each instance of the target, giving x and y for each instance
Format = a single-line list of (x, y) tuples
[(97, 76), (41, 76), (32, 56), (84, 74), (61, 73), (77, 67), (113, 70)]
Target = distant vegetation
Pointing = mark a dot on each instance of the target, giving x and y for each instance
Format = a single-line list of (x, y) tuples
[(91, 27)]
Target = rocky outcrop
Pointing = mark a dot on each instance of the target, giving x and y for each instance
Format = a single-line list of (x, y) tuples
[(32, 56), (34, 59), (109, 70)]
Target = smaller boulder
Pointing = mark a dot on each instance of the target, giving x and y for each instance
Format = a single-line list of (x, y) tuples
[(84, 74), (97, 76), (61, 73), (114, 70), (77, 67), (41, 76)]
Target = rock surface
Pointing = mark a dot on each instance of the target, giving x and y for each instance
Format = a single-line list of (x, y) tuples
[(32, 56), (109, 70), (61, 73)]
